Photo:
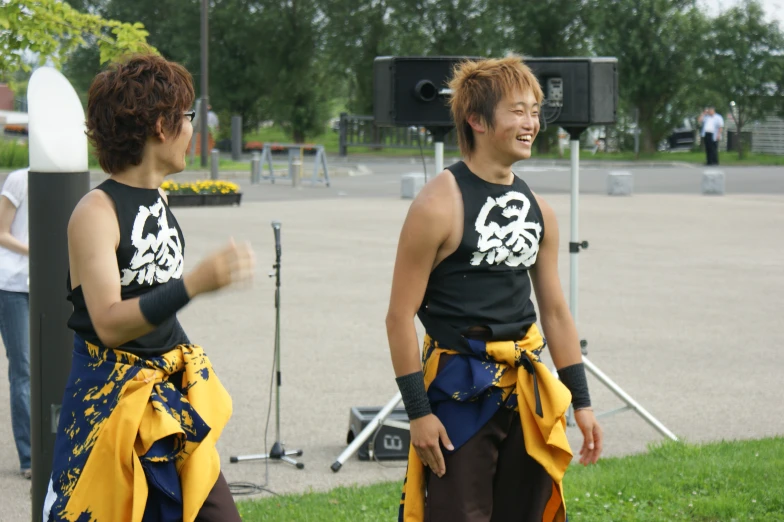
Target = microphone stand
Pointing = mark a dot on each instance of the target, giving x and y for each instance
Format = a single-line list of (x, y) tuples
[(278, 451)]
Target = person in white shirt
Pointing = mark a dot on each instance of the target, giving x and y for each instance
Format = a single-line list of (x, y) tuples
[(712, 128), (14, 308)]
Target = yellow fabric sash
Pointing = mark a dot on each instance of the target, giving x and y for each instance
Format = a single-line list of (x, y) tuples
[(545, 436), (111, 486)]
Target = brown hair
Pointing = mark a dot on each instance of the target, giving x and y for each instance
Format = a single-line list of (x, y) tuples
[(478, 86), (125, 102)]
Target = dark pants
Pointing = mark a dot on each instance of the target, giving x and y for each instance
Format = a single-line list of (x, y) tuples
[(219, 506), (711, 149), (491, 478)]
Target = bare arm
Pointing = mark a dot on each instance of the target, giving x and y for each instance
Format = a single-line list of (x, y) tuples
[(425, 229), (93, 236), (559, 328), (555, 316), (7, 214)]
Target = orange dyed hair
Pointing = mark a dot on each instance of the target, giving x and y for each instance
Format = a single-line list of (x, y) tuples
[(478, 87)]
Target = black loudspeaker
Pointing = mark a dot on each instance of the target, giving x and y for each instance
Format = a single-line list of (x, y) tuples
[(390, 443), (413, 90), (579, 92)]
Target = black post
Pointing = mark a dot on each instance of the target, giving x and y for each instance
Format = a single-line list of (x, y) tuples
[(204, 82), (57, 180), (343, 133)]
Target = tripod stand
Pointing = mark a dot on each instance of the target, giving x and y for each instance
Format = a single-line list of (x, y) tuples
[(278, 451), (574, 249)]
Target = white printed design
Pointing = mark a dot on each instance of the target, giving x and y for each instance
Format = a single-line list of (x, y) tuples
[(158, 256), (517, 242)]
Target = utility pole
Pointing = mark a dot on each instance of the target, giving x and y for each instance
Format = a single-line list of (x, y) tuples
[(204, 82)]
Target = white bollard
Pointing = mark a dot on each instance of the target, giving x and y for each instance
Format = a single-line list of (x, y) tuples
[(620, 183), (713, 182), (411, 184)]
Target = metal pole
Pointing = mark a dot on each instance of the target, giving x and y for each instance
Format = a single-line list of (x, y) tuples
[(573, 233), (236, 138), (255, 167), (204, 82), (366, 432), (214, 164), (439, 157), (58, 179), (642, 412)]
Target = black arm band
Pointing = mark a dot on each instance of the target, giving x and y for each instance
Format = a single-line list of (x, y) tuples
[(412, 388), (573, 378), (164, 301)]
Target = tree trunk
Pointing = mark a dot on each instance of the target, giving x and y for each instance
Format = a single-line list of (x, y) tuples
[(299, 136), (647, 142)]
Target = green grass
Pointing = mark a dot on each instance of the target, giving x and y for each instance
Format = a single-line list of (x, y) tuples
[(719, 482), (13, 155)]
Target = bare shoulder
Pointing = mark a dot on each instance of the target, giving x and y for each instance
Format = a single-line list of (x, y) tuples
[(93, 214), (434, 206), (548, 214)]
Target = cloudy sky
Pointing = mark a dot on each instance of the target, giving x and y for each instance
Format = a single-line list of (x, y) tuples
[(773, 8)]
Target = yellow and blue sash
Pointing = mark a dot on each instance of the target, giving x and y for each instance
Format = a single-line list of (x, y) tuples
[(131, 445), (471, 387)]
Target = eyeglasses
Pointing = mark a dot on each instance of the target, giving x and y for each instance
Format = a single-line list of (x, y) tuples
[(190, 115)]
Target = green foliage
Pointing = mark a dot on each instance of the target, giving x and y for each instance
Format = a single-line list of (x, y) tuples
[(13, 155), (300, 84), (657, 46), (741, 62), (53, 29)]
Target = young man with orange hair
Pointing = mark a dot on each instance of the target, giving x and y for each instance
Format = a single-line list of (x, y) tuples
[(487, 418)]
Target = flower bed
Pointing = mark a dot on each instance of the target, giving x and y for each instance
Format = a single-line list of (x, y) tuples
[(202, 193)]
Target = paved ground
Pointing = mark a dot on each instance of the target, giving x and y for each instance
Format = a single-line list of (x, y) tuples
[(680, 301)]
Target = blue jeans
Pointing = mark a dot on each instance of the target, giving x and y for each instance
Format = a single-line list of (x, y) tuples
[(15, 330)]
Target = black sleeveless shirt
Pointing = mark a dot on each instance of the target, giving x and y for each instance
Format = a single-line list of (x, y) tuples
[(485, 282), (150, 254)]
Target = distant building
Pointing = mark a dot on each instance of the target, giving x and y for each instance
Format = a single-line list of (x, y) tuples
[(767, 136), (6, 98)]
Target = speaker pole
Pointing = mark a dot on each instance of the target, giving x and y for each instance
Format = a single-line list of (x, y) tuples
[(439, 133), (575, 245)]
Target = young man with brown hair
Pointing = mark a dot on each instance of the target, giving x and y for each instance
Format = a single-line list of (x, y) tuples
[(468, 244), (143, 407)]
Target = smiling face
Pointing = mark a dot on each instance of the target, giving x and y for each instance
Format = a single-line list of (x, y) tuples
[(514, 129), (516, 125)]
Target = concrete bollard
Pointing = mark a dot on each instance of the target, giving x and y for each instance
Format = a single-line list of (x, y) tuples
[(713, 182), (620, 183), (411, 184), (214, 161), (255, 167)]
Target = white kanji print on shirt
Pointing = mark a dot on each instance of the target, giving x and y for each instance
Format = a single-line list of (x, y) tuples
[(158, 256), (513, 240)]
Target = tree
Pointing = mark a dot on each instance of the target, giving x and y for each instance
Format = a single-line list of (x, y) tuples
[(657, 43), (741, 62), (301, 87), (541, 29), (52, 30)]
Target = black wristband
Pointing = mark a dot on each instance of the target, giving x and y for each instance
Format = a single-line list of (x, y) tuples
[(164, 301), (412, 388), (574, 379)]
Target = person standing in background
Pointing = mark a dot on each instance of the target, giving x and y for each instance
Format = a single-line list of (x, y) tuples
[(712, 128), (15, 308)]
